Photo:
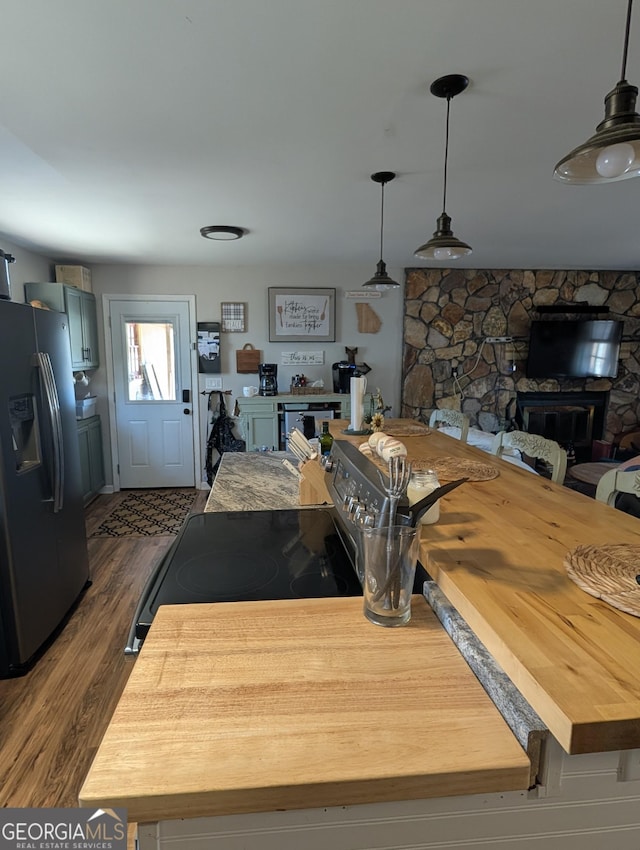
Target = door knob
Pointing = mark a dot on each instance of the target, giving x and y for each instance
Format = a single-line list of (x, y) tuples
[(186, 411)]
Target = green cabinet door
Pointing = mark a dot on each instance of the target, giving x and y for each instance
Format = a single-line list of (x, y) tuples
[(83, 327), (259, 422), (74, 310), (85, 463), (261, 429), (91, 459), (80, 307), (90, 330)]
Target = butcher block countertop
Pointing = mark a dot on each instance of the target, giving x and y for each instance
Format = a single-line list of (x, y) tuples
[(259, 706), (497, 554)]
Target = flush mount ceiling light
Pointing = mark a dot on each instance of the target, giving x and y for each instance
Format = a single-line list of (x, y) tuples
[(613, 152), (222, 233), (381, 279), (443, 245)]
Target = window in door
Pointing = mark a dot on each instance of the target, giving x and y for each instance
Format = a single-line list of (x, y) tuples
[(151, 361)]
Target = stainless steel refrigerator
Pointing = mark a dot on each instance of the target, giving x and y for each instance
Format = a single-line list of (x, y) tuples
[(43, 549)]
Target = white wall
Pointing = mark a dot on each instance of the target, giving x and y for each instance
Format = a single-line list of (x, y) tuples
[(381, 351), (28, 268)]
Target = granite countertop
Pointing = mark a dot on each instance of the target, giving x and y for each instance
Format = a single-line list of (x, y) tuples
[(254, 481)]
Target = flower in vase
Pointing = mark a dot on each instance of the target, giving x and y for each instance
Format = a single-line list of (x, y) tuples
[(377, 421)]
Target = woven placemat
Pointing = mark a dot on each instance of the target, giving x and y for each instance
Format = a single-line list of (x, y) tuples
[(609, 573), (403, 428), (452, 468)]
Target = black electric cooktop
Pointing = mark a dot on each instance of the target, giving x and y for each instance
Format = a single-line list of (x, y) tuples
[(252, 555)]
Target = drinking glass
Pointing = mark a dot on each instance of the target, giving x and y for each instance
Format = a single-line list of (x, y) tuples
[(390, 556)]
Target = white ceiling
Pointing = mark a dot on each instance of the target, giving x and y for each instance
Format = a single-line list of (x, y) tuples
[(127, 125)]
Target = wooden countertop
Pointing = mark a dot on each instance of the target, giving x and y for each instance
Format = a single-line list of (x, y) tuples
[(259, 706), (497, 554)]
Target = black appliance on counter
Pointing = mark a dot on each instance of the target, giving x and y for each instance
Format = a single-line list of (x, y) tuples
[(342, 374), (268, 373), (344, 371)]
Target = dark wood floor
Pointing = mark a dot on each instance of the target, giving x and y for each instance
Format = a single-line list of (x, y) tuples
[(53, 718)]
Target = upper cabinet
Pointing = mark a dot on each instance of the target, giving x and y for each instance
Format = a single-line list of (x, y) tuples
[(80, 307)]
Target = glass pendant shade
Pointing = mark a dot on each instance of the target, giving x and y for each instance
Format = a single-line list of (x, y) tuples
[(613, 152), (443, 245), (381, 279)]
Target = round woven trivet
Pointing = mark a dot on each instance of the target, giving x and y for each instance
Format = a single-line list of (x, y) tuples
[(399, 428), (609, 573), (452, 468)]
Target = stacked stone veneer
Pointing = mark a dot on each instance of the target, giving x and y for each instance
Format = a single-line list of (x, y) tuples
[(448, 313)]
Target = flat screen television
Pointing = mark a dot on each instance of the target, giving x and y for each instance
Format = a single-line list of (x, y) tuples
[(574, 349)]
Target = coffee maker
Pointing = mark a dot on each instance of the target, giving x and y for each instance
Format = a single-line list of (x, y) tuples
[(342, 374), (268, 373)]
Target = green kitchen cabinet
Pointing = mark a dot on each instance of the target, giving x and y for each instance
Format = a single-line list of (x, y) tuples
[(259, 423), (91, 459), (261, 417), (80, 307)]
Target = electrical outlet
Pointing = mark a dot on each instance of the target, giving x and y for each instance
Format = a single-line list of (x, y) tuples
[(212, 383)]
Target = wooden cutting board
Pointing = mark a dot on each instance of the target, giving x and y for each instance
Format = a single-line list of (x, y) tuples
[(294, 704)]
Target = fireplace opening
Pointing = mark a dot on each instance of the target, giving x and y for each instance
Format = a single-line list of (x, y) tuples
[(573, 419)]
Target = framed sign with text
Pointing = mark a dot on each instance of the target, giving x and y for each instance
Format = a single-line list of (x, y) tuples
[(302, 315), (233, 316)]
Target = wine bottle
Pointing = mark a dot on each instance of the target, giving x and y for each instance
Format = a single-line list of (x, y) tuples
[(326, 439)]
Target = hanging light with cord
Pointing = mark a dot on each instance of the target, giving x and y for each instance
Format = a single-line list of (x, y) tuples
[(613, 152), (443, 245), (381, 279)]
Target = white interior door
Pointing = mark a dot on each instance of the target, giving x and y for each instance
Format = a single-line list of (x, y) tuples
[(153, 393)]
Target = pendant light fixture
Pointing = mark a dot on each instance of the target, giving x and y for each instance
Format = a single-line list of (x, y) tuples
[(443, 245), (613, 152), (381, 279)]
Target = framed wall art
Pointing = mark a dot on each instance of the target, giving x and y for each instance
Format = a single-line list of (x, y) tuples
[(302, 314), (233, 316)]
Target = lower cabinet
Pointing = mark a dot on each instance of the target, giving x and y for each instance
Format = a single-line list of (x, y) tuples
[(91, 460), (260, 416), (259, 424)]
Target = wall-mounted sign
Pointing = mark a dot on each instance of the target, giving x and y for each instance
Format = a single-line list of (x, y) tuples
[(302, 358), (302, 315), (362, 294), (233, 316)]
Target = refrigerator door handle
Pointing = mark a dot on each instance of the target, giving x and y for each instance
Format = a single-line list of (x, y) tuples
[(43, 362)]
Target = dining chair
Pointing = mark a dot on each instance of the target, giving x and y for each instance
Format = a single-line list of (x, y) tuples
[(534, 446), (617, 481), (453, 418)]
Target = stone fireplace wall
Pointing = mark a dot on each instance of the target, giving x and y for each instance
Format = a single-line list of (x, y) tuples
[(449, 313)]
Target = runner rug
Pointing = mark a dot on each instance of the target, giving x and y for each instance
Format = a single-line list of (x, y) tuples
[(147, 513)]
